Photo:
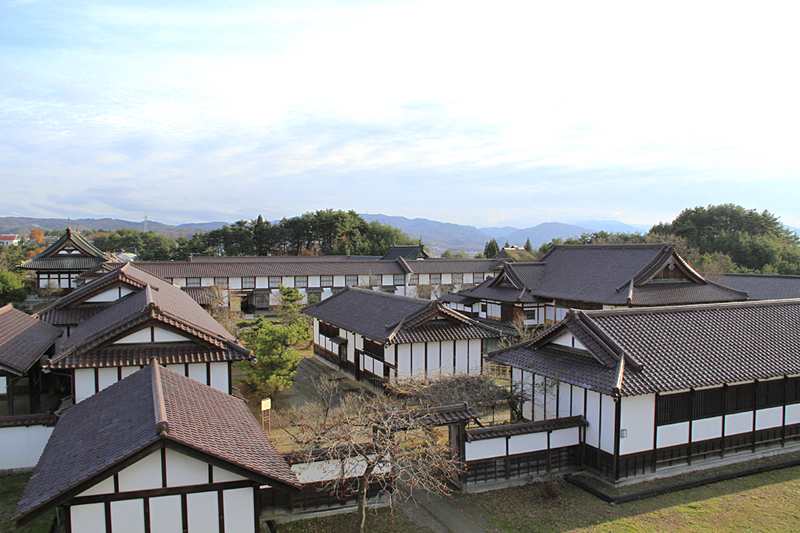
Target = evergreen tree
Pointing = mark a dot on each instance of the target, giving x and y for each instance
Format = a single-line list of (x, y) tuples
[(491, 249), (528, 246)]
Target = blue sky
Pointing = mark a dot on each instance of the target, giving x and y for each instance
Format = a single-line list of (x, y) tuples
[(466, 112)]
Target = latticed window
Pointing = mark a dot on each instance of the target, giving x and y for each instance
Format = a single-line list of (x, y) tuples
[(458, 277), (351, 280), (221, 282), (275, 282), (249, 282), (326, 281), (301, 282), (373, 348), (413, 279), (673, 408), (436, 279), (192, 282), (399, 279), (477, 277)]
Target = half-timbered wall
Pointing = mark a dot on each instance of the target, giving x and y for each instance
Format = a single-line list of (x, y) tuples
[(167, 492), (90, 381)]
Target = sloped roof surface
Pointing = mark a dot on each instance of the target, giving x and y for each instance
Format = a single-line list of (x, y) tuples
[(23, 339), (89, 257), (762, 286), (386, 317), (407, 252), (94, 436), (677, 347)]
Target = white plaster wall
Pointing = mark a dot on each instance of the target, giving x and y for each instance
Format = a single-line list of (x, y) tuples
[(220, 475), (165, 514), (239, 511), (219, 376), (84, 383), (793, 414), (206, 282), (418, 359), (203, 512), (128, 370), (565, 339), (539, 399), (593, 418), (107, 377), (447, 357), (110, 295), (104, 487), (403, 360), (388, 354), (565, 437), (483, 449), (180, 282), (137, 337), (527, 443), (550, 398), (672, 434), (577, 401), (21, 447), (637, 416), (180, 369), (339, 281), (162, 335), (462, 356), (184, 470), (738, 423), (313, 281), (609, 418), (707, 428), (143, 474), (89, 518), (475, 357), (769, 418), (3, 385), (127, 516), (235, 283), (197, 371)]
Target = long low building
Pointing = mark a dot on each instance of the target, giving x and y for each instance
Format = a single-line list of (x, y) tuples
[(258, 278), (669, 386)]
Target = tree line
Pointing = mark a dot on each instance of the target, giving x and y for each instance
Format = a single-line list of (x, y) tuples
[(323, 232)]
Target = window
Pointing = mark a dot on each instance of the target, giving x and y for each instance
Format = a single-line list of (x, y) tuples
[(351, 280), (275, 282), (740, 398), (673, 408), (436, 279), (477, 277), (192, 282), (300, 282), (413, 279), (249, 283), (221, 282), (770, 394), (530, 314), (326, 281), (458, 277), (708, 403), (793, 390), (399, 279)]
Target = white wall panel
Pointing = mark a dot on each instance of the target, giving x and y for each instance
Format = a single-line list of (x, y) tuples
[(539, 399), (793, 414), (447, 357), (577, 401), (609, 428), (769, 418), (564, 397), (738, 423), (527, 443), (593, 418), (637, 417), (89, 518), (107, 377), (142, 475), (417, 359), (220, 475), (84, 383), (203, 511), (128, 370), (184, 470), (565, 437), (673, 434), (462, 349), (197, 371), (239, 511), (403, 360), (21, 447), (104, 487), (127, 516), (165, 514), (163, 335), (483, 449), (137, 337), (219, 376), (706, 428)]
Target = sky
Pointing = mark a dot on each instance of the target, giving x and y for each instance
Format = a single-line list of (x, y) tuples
[(478, 113)]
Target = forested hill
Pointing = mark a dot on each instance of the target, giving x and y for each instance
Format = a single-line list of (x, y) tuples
[(24, 225)]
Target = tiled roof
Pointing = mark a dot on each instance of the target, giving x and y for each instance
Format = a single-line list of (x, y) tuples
[(761, 286), (90, 256), (525, 428), (407, 252), (23, 339), (668, 348), (306, 266), (99, 270), (144, 412), (387, 318), (604, 275), (202, 295), (72, 315), (166, 304), (438, 416), (141, 354)]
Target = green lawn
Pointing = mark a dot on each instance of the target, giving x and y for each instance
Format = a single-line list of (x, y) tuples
[(11, 488)]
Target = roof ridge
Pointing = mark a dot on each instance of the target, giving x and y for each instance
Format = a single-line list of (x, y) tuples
[(691, 307), (160, 408)]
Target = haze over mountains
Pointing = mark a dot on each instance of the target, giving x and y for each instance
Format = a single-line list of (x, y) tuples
[(437, 235)]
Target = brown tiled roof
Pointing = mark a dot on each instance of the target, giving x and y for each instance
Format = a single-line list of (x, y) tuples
[(149, 410), (438, 416), (388, 318), (167, 305), (408, 252), (525, 428), (668, 348), (23, 339), (72, 315), (99, 270), (47, 259), (141, 354), (202, 295)]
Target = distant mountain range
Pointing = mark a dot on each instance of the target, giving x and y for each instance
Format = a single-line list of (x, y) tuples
[(444, 235), (439, 236)]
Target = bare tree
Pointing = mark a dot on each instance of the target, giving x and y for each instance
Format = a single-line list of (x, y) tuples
[(361, 442), (226, 308), (522, 332)]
